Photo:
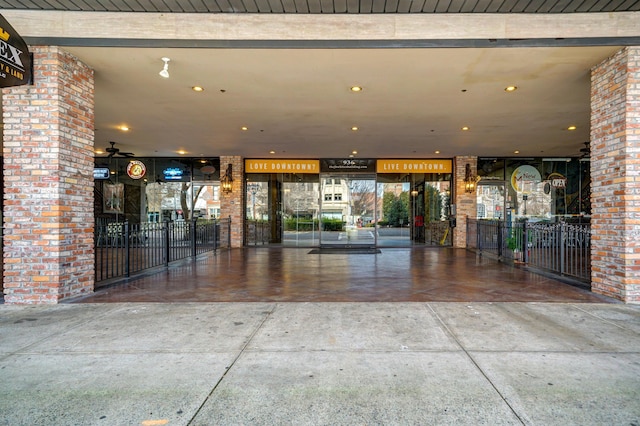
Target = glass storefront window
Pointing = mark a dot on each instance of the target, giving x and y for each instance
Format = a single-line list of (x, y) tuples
[(540, 189), (172, 189)]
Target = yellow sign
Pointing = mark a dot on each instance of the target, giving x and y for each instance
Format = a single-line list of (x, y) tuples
[(414, 166), (282, 166)]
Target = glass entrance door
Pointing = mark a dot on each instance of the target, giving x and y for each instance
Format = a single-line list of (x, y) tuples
[(348, 210)]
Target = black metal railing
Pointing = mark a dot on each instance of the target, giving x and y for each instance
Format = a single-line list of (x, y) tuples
[(123, 248), (560, 248)]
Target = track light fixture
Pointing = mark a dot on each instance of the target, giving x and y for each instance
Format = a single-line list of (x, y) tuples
[(165, 70)]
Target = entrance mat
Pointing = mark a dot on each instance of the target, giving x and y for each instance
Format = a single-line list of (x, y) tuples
[(345, 250)]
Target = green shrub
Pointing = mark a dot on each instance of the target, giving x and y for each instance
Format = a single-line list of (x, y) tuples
[(290, 224), (332, 224)]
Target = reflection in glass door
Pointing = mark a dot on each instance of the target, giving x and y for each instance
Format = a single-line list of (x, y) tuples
[(300, 212), (348, 210)]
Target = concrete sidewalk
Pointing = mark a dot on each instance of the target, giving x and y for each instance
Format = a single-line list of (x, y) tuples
[(320, 364)]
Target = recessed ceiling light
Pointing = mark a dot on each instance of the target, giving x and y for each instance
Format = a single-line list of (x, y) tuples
[(354, 152), (356, 89), (437, 151), (182, 152), (244, 128), (511, 88), (465, 128), (354, 128), (124, 128), (99, 151), (571, 128), (272, 152), (516, 152), (197, 89)]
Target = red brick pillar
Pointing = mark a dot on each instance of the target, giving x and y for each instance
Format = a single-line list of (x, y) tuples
[(231, 204), (465, 202), (48, 181), (615, 176)]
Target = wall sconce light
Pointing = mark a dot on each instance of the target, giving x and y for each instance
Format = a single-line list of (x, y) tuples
[(469, 180), (226, 182), (165, 70)]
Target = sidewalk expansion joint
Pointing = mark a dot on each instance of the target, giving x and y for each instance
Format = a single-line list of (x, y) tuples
[(233, 362), (477, 366)]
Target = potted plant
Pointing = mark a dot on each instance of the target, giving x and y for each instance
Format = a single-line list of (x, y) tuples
[(513, 244)]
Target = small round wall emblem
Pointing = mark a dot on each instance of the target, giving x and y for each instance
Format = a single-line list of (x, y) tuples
[(136, 169)]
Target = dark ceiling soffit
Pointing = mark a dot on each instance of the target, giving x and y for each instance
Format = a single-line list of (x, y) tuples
[(333, 44)]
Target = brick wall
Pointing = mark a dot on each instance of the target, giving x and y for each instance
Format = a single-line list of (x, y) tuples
[(231, 205), (48, 181), (465, 203), (615, 174)]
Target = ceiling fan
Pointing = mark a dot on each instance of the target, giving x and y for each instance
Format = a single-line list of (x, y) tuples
[(112, 150), (586, 150)]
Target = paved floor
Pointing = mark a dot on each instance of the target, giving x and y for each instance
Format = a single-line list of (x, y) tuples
[(272, 363), (572, 359), (296, 275)]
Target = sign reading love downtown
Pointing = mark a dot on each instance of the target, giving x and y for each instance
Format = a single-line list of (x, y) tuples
[(281, 166), (414, 166), (15, 59)]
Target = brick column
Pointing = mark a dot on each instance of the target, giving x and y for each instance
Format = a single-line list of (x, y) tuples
[(232, 205), (48, 181), (465, 203), (615, 175)]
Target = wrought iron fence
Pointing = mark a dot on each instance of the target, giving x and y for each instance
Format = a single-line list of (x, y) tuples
[(560, 248), (123, 249)]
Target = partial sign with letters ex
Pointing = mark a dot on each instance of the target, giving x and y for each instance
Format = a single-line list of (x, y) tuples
[(15, 59)]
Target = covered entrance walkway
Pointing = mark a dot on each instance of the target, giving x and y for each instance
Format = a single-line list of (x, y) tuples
[(298, 275)]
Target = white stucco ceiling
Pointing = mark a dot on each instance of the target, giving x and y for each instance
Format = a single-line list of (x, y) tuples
[(297, 102)]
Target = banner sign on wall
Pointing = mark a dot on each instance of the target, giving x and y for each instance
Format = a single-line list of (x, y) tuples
[(15, 59), (348, 165), (281, 166), (414, 166)]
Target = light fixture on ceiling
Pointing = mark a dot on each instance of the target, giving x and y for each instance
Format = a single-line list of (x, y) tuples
[(465, 128), (165, 70), (197, 89), (354, 128), (356, 89), (124, 128), (511, 88), (226, 181), (244, 128), (571, 127)]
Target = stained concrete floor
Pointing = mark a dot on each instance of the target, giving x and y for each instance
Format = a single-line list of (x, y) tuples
[(135, 355), (298, 275)]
